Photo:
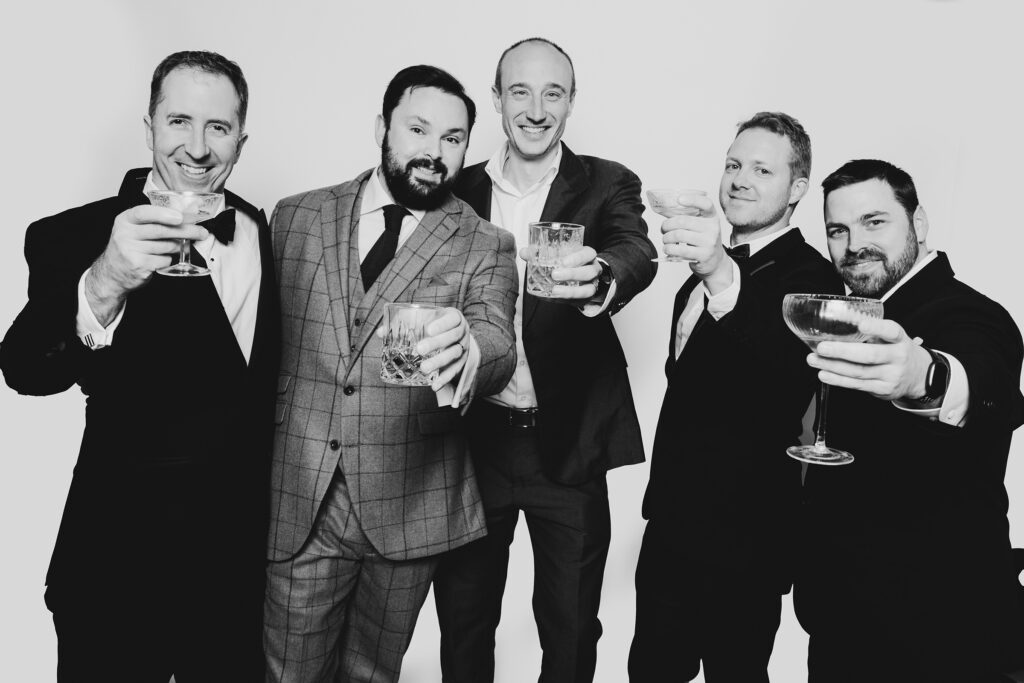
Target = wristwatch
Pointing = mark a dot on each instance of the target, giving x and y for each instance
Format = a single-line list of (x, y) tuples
[(936, 379), (605, 278)]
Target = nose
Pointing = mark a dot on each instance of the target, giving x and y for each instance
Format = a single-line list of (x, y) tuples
[(196, 146), (536, 112), (741, 179), (855, 240), (432, 147)]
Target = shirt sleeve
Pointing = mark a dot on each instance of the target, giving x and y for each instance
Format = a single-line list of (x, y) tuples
[(88, 329), (722, 303), (953, 409)]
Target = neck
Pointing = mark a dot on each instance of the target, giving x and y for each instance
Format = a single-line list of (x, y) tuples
[(523, 173), (749, 234)]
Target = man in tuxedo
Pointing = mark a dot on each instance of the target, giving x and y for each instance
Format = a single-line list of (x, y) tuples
[(158, 566), (722, 499), (908, 573), (543, 442), (371, 481)]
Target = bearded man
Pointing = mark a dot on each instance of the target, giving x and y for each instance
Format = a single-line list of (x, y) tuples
[(371, 482)]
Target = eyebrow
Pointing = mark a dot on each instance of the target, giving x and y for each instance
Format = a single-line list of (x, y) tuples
[(547, 86), (873, 214), (189, 117), (426, 124)]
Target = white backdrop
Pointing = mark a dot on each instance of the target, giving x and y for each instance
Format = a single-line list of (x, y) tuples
[(932, 85)]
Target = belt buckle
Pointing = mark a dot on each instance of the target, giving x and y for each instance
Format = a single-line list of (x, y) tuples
[(522, 418)]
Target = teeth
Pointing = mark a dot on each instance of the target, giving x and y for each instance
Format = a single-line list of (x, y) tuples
[(533, 129), (193, 170)]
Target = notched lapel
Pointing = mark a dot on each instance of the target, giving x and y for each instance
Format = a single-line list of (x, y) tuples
[(339, 221)]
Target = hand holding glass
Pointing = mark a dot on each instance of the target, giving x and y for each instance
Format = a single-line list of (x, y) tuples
[(550, 243), (194, 207), (669, 203), (404, 326), (825, 317)]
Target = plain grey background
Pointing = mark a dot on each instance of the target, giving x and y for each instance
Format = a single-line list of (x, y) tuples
[(932, 85)]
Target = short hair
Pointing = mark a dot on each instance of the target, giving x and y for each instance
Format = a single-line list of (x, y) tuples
[(572, 69), (424, 76), (860, 170), (202, 60), (789, 128)]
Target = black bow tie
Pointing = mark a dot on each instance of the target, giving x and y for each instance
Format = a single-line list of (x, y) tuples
[(740, 251), (221, 226)]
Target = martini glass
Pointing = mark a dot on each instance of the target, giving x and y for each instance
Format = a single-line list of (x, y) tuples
[(669, 202), (194, 207), (826, 317)]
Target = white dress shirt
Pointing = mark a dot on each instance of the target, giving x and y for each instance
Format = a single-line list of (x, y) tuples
[(235, 270), (371, 226)]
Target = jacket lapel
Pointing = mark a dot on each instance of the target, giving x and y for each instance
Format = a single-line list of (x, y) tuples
[(569, 185), (433, 231), (339, 224), (476, 191)]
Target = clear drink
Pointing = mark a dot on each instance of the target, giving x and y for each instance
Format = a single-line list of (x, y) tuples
[(404, 326)]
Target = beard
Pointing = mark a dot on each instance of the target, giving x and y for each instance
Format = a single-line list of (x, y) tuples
[(413, 193), (874, 285), (766, 217)]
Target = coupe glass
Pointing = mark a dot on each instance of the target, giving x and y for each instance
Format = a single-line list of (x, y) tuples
[(194, 207), (826, 317), (670, 202)]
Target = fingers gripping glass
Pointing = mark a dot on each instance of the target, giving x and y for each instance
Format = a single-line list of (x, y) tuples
[(194, 207), (670, 202), (824, 317)]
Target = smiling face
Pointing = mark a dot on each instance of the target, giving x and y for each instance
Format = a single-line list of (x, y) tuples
[(758, 191), (194, 133), (535, 99), (872, 240), (423, 146)]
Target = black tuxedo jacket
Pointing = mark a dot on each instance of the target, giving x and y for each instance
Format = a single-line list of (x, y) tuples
[(913, 535), (588, 424), (736, 396), (178, 425)]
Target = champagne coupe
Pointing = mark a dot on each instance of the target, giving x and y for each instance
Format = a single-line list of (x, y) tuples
[(826, 317), (194, 207), (669, 202)]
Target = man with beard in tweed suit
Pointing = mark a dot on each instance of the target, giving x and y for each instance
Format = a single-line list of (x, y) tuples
[(371, 482)]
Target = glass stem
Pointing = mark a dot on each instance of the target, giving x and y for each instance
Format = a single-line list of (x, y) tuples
[(819, 437), (185, 257)]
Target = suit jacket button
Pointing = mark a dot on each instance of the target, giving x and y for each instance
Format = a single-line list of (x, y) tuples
[(349, 390), (352, 348), (334, 444), (357, 322)]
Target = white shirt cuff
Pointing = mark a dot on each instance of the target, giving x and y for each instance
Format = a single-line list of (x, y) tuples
[(461, 394), (953, 409), (88, 329), (724, 301)]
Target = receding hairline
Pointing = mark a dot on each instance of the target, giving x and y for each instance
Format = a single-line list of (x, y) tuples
[(536, 41)]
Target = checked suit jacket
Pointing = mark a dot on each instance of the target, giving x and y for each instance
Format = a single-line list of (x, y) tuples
[(589, 422), (404, 459)]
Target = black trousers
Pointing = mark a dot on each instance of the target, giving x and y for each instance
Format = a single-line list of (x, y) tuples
[(689, 611), (170, 605), (569, 528)]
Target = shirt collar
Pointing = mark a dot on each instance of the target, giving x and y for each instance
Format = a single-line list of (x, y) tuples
[(376, 196), (760, 243), (495, 168), (151, 185)]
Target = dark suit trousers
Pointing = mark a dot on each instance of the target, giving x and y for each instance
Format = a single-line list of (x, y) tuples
[(688, 612), (173, 604), (569, 528)]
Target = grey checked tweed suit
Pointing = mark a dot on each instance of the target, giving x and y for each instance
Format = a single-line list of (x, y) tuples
[(404, 459), (370, 481)]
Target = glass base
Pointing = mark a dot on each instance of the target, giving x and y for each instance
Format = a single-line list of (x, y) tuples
[(819, 455), (671, 259), (184, 270)]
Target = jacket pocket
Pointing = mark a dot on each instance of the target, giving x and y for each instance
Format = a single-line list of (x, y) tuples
[(439, 421), (436, 295)]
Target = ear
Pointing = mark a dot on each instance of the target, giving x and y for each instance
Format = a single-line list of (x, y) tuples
[(241, 143), (797, 190), (572, 103), (920, 224), (149, 131), (496, 98), (380, 130)]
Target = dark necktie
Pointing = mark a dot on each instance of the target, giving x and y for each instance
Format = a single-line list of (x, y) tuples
[(221, 226), (384, 249), (740, 251)]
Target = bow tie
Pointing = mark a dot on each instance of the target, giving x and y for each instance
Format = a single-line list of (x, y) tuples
[(221, 226), (740, 251)]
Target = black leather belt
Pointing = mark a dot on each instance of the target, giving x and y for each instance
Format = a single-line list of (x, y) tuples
[(522, 418)]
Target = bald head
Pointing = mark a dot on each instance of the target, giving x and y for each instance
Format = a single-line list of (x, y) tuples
[(535, 45)]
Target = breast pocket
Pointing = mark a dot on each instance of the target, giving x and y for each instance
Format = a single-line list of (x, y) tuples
[(436, 295)]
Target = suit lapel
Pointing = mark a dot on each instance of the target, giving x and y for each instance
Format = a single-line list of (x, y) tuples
[(433, 231), (476, 191), (569, 185), (339, 224)]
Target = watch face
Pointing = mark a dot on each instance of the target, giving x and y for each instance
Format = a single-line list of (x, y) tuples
[(937, 378)]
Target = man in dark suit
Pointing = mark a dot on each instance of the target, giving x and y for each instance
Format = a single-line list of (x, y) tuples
[(158, 568), (908, 573), (722, 499), (372, 481), (543, 443)]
